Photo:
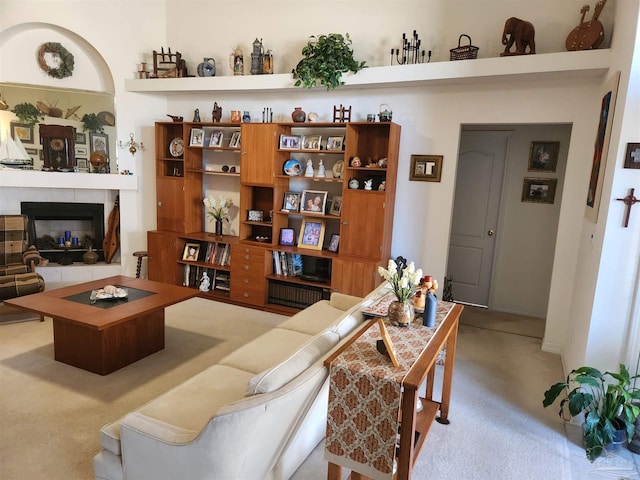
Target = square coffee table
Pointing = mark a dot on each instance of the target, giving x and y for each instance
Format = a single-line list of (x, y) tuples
[(109, 334)]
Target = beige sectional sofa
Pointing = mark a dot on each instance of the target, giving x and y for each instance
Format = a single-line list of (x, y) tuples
[(255, 415)]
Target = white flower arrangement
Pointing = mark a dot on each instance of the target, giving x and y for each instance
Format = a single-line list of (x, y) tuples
[(218, 209), (402, 283)]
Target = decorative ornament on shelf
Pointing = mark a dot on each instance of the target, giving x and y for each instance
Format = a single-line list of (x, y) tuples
[(403, 282), (218, 210), (522, 34), (207, 68), (298, 115), (236, 62), (425, 299), (61, 59), (410, 51)]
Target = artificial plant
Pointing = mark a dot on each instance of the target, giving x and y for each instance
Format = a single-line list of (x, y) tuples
[(326, 58), (92, 123), (28, 113)]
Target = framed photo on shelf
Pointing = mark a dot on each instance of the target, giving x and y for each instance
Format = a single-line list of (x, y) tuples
[(191, 251), (289, 142), (311, 234), (197, 137), (336, 206), (81, 138), (22, 131), (291, 201), (216, 138), (312, 142), (426, 168), (539, 190), (335, 142), (81, 151), (313, 201), (543, 156), (334, 243), (287, 236), (235, 140)]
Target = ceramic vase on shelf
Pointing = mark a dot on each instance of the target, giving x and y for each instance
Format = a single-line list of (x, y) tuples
[(90, 256), (430, 307), (298, 115), (400, 313), (218, 228)]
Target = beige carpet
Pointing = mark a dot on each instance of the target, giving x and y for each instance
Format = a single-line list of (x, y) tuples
[(502, 322), (13, 315)]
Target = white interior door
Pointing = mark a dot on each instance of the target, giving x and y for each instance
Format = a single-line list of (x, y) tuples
[(475, 214)]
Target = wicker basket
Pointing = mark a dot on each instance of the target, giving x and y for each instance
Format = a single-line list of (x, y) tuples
[(466, 52)]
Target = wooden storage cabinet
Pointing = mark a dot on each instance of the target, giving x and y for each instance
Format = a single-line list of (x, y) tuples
[(248, 283), (163, 252)]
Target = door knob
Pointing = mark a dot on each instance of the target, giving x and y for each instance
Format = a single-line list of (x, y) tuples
[(490, 233)]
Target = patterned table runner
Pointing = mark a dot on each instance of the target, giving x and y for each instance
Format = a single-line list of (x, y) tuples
[(364, 397)]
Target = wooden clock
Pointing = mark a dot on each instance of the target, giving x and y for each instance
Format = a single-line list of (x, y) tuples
[(58, 147)]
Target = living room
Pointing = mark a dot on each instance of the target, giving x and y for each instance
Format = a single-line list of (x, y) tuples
[(591, 299)]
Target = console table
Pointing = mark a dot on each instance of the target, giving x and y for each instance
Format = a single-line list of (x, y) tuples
[(360, 362)]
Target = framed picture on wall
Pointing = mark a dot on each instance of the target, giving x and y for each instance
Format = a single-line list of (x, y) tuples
[(99, 142), (22, 131), (539, 190), (543, 156), (426, 168)]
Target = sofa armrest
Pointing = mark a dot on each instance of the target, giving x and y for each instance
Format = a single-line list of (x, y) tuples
[(13, 269), (31, 257), (342, 301)]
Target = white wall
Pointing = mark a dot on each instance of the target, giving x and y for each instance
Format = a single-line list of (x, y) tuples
[(127, 32)]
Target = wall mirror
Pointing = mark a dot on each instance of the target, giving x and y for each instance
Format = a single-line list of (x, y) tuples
[(95, 137)]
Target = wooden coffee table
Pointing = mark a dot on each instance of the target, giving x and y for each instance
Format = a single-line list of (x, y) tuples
[(109, 334)]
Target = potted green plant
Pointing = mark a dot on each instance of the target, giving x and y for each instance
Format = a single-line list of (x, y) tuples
[(326, 58), (92, 123), (28, 113), (607, 399)]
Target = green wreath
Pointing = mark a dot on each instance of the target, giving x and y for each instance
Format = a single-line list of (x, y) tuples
[(57, 50)]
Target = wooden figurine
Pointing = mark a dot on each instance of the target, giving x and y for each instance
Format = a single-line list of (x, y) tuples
[(216, 114), (521, 33), (589, 34)]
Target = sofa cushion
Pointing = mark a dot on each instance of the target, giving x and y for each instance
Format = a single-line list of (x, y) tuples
[(267, 350), (110, 437), (273, 378), (343, 301), (313, 319)]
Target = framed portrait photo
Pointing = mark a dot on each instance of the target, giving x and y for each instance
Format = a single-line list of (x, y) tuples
[(334, 243), (632, 158), (99, 142), (336, 206), (191, 251), (289, 142), (543, 156), (311, 142), (335, 142), (291, 202), (313, 201), (311, 234), (539, 190), (216, 138), (235, 140), (287, 236), (22, 131), (426, 168), (196, 138)]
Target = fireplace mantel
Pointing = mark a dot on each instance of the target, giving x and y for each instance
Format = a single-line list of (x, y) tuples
[(92, 181)]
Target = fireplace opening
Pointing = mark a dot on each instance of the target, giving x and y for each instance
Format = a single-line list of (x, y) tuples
[(51, 222)]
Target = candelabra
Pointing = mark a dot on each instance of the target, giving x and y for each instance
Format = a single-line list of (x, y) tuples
[(411, 52), (132, 144)]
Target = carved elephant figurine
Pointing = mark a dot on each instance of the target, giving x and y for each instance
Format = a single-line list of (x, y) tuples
[(521, 33)]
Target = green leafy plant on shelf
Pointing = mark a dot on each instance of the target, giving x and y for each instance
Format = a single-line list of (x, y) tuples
[(92, 123), (325, 59), (608, 400), (28, 113)]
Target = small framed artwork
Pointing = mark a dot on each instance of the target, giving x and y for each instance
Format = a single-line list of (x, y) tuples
[(216, 138), (99, 142), (311, 234), (426, 168), (81, 138), (543, 156), (81, 150), (289, 142), (313, 201), (632, 159), (334, 243), (197, 137), (335, 142), (82, 164), (291, 202), (32, 151), (312, 142), (336, 206), (539, 190), (191, 251), (287, 236), (235, 140), (22, 131)]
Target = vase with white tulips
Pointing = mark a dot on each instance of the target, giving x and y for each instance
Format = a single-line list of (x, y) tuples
[(218, 210), (403, 283)]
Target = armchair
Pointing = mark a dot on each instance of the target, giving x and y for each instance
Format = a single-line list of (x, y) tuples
[(18, 275)]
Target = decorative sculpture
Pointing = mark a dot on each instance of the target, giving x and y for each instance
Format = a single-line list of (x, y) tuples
[(521, 33), (216, 114), (589, 34)]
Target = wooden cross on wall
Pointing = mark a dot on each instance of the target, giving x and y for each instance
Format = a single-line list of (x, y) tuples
[(630, 200)]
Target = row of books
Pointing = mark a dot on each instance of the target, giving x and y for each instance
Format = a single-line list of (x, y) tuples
[(296, 296), (287, 264), (194, 277), (218, 254)]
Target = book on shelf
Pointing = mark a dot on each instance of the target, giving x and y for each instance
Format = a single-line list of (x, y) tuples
[(287, 264), (218, 254)]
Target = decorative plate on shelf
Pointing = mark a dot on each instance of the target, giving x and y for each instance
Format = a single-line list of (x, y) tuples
[(292, 167), (176, 147)]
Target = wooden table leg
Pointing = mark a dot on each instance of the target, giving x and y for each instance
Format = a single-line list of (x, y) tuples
[(334, 472), (448, 375)]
